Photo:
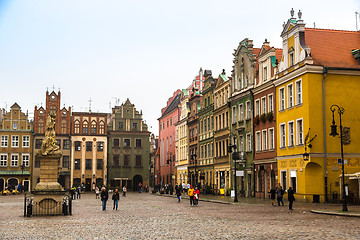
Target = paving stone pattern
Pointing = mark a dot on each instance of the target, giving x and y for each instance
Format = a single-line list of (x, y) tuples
[(147, 216)]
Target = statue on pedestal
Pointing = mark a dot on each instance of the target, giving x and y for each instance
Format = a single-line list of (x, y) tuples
[(48, 145)]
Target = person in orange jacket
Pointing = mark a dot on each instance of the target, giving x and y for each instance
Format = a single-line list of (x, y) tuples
[(191, 195), (196, 196)]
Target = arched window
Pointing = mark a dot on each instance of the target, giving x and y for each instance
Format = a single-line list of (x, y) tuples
[(85, 126), (93, 127), (77, 126), (102, 127)]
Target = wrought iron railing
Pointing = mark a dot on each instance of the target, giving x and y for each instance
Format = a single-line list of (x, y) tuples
[(47, 206)]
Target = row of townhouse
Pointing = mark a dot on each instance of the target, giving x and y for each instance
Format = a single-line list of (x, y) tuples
[(274, 113), (97, 148)]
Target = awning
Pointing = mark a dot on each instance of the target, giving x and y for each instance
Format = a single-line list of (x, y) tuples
[(351, 175), (15, 172)]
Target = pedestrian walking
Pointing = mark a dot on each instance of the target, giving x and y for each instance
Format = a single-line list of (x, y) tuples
[(97, 192), (183, 187), (78, 192), (279, 195), (116, 197), (124, 191), (104, 198), (140, 187), (291, 198), (191, 195), (272, 196), (196, 196), (178, 192)]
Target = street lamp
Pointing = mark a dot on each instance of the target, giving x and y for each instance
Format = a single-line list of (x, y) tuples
[(334, 133), (193, 158), (234, 157)]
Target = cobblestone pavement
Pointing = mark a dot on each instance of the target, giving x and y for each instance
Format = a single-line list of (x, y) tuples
[(147, 216)]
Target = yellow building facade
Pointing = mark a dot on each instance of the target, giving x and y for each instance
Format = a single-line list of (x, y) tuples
[(308, 82)]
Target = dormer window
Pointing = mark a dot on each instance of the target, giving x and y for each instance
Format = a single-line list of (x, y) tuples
[(291, 59), (291, 52), (265, 73)]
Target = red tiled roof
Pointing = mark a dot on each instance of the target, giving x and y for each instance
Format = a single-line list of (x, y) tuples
[(256, 51), (278, 53), (332, 48)]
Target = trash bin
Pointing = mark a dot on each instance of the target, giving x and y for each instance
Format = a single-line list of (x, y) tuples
[(316, 198)]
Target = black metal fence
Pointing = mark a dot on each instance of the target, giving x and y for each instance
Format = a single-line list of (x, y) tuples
[(47, 206)]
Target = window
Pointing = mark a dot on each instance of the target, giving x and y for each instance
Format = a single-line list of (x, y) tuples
[(99, 164), (38, 143), (77, 126), (25, 160), (291, 134), (248, 110), (299, 132), (241, 112), (66, 144), (281, 99), (14, 160), (77, 146), (257, 107), (263, 105), (126, 142), (264, 140), (100, 146), (77, 164), (63, 127), (205, 126), (234, 114), (282, 136), (248, 145), (88, 146), (134, 125), (171, 121), (291, 59), (271, 138), (14, 125), (138, 143), (121, 125), (116, 142), (241, 140), (293, 179), (138, 161), (116, 161), (26, 141), (290, 96), (37, 162), (88, 164), (3, 160), (85, 127), (102, 127), (4, 141), (93, 127), (258, 141), (298, 92), (14, 141), (283, 179), (271, 104), (126, 160), (41, 126), (265, 73), (65, 162)]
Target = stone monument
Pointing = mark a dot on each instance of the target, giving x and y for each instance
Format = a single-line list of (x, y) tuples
[(48, 193)]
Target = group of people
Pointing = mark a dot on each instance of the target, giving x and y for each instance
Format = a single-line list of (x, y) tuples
[(104, 196), (75, 192), (192, 193), (279, 194)]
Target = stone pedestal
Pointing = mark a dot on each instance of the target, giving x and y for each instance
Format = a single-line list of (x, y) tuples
[(48, 193)]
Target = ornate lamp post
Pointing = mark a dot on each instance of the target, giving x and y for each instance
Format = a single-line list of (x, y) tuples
[(334, 133)]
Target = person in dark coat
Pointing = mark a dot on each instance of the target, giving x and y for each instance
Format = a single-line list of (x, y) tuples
[(178, 192), (116, 197), (279, 195), (104, 197), (291, 198), (272, 196)]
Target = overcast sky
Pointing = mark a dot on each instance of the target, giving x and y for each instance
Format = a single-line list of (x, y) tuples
[(138, 49)]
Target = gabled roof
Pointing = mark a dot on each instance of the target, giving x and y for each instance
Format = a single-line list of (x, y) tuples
[(174, 104), (16, 106), (332, 48)]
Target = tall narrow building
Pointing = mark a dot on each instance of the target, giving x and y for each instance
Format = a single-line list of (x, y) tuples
[(129, 150)]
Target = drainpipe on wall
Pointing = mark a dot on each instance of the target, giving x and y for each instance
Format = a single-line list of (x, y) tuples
[(325, 70)]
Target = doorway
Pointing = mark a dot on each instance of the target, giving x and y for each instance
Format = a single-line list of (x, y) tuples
[(136, 180), (88, 184)]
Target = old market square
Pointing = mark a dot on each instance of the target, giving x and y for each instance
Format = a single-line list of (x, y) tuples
[(152, 216)]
